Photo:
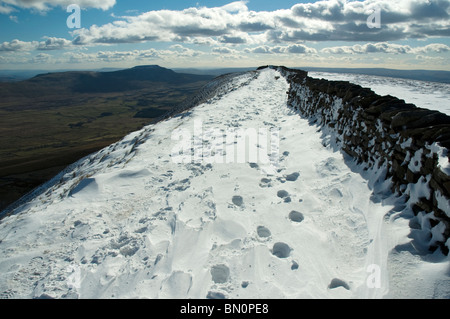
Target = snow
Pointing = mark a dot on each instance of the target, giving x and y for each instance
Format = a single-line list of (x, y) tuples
[(429, 95), (133, 221), (443, 160)]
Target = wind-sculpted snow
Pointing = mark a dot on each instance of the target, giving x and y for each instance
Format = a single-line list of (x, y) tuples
[(172, 211)]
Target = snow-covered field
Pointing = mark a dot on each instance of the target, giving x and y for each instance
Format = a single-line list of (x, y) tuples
[(429, 95), (137, 221)]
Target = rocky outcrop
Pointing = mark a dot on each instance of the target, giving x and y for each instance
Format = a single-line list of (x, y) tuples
[(383, 132)]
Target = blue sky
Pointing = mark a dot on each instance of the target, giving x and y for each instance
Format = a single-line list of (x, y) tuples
[(28, 25), (404, 34)]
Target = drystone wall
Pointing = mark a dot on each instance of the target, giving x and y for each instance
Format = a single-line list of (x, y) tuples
[(383, 132)]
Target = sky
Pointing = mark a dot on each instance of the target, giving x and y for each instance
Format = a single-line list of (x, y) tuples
[(403, 34)]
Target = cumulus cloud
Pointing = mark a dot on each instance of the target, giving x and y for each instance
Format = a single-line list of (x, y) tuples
[(171, 25), (133, 56), (342, 20), (233, 29), (51, 43), (292, 49), (17, 45), (232, 39), (41, 58), (385, 47), (332, 20), (7, 6), (393, 11), (299, 49), (232, 24), (433, 48), (224, 50)]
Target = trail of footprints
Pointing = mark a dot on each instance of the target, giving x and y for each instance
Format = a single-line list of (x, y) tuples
[(220, 273), (128, 245)]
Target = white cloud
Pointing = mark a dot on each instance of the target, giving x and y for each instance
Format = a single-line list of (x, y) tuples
[(7, 6), (299, 49), (263, 49), (344, 20), (385, 47), (41, 58), (17, 45), (432, 48), (233, 29), (224, 50), (5, 9), (175, 52), (182, 51), (333, 20), (51, 43), (290, 49)]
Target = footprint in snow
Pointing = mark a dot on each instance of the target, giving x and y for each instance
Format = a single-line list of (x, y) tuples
[(296, 216), (220, 273), (285, 195), (284, 155), (263, 232), (281, 250), (292, 177), (215, 295), (282, 194), (336, 282), (237, 200), (265, 182), (254, 165)]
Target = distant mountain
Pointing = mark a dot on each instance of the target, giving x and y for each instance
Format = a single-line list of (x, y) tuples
[(20, 75), (98, 82), (423, 75), (131, 79), (53, 119)]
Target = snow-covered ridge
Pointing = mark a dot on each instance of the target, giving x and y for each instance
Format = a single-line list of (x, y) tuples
[(409, 145), (130, 222), (121, 152)]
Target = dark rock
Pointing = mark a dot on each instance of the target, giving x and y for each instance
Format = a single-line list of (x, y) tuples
[(296, 216), (419, 118), (282, 194), (281, 250), (336, 283), (388, 121), (215, 295), (237, 200), (263, 231)]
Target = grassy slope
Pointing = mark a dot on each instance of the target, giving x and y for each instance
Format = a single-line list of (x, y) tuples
[(50, 121)]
